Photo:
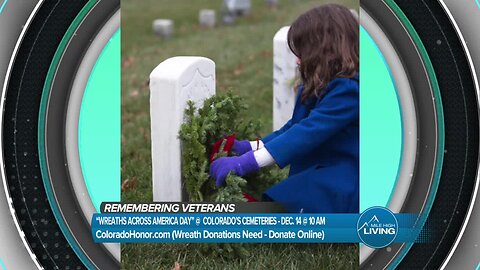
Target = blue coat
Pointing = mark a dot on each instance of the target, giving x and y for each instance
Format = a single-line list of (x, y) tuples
[(321, 145)]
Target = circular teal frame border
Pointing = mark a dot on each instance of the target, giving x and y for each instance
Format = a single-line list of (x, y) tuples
[(41, 131), (3, 6), (99, 126), (70, 32), (393, 134), (440, 121)]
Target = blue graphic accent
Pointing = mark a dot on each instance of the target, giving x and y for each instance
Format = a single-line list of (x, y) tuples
[(377, 227), (99, 127), (478, 4), (249, 228), (1, 9), (478, 266), (379, 106)]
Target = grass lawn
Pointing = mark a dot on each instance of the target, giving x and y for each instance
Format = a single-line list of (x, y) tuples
[(262, 256), (243, 57)]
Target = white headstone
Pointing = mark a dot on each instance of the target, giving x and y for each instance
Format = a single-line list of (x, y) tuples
[(163, 28), (284, 75), (272, 3), (239, 7), (172, 83), (207, 18), (285, 72)]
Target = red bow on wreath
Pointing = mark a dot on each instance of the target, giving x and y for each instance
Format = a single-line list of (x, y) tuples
[(230, 140)]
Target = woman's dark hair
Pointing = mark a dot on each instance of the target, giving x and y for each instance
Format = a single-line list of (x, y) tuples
[(326, 41)]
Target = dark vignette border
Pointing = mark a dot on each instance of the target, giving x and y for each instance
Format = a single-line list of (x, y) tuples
[(20, 131), (20, 134), (461, 132)]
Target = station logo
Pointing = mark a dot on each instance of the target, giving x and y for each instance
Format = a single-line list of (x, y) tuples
[(377, 227)]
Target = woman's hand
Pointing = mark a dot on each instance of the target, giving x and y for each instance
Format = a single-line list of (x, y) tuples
[(241, 165), (241, 147), (229, 142)]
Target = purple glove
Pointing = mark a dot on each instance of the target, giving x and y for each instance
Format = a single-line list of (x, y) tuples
[(241, 165), (241, 147)]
